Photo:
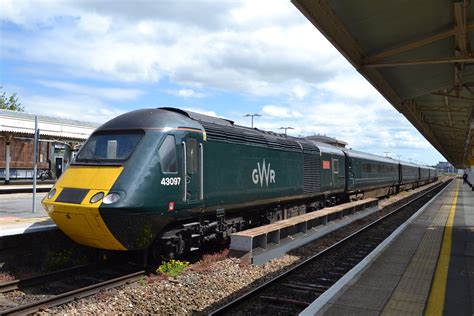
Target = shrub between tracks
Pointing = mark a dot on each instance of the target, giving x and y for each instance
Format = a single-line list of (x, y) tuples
[(172, 268)]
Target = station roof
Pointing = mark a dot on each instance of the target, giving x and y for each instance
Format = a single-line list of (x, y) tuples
[(12, 122), (417, 54), (328, 140)]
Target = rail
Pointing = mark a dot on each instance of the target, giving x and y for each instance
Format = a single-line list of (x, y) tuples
[(64, 297), (252, 294)]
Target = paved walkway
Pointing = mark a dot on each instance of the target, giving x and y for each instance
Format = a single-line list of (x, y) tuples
[(16, 216), (428, 269)]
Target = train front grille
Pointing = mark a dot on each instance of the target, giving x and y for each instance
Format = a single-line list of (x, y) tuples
[(72, 195)]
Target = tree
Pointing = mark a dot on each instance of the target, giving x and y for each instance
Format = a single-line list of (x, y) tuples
[(10, 103)]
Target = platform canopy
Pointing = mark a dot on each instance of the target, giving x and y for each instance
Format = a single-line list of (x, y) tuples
[(417, 54), (20, 123)]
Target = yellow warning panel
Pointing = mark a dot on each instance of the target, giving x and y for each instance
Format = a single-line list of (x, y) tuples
[(82, 222)]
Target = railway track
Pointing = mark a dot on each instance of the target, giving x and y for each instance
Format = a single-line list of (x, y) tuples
[(63, 286), (294, 290)]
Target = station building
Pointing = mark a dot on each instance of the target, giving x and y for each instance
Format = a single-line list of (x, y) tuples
[(328, 140), (59, 140)]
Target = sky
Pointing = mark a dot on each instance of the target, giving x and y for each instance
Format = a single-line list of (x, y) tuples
[(92, 60)]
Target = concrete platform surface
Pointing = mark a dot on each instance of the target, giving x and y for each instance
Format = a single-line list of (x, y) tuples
[(428, 269), (24, 188), (16, 215)]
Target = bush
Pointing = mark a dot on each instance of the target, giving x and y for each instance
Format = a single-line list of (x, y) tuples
[(173, 268), (207, 261)]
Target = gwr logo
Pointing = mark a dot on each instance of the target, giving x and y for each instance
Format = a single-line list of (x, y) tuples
[(263, 174)]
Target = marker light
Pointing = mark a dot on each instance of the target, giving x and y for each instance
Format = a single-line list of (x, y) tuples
[(111, 198), (51, 193), (96, 197)]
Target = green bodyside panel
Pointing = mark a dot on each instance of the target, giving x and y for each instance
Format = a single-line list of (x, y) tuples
[(233, 173), (360, 178), (236, 173), (409, 174), (332, 179), (141, 178)]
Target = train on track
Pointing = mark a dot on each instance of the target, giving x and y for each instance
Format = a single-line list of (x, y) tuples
[(173, 181)]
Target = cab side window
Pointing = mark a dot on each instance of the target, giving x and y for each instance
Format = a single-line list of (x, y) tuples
[(192, 155), (167, 154)]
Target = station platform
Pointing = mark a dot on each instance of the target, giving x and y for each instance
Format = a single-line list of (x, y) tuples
[(24, 188), (11, 226), (16, 216), (427, 267)]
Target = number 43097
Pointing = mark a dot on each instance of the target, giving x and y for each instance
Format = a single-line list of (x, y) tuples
[(171, 181)]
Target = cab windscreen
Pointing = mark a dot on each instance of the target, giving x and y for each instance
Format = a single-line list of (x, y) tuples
[(109, 147)]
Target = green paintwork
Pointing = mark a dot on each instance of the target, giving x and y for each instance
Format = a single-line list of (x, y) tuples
[(358, 178), (332, 179), (239, 172), (229, 167), (228, 170)]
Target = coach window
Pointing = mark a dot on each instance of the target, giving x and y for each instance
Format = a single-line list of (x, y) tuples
[(167, 154), (335, 165)]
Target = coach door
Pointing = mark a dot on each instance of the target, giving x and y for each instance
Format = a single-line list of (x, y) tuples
[(193, 168)]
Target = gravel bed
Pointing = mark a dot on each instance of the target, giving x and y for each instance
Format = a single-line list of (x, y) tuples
[(191, 292), (16, 298), (204, 284)]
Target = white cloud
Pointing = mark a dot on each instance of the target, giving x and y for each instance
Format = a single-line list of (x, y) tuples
[(114, 94), (247, 53), (406, 139), (78, 108), (280, 112), (94, 23), (351, 85), (187, 93), (249, 48)]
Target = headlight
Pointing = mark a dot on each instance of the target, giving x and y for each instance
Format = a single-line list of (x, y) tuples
[(51, 193), (96, 197), (111, 198)]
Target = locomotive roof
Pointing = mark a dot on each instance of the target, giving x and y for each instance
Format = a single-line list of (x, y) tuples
[(326, 148), (201, 117), (225, 130), (359, 154), (149, 119), (410, 164)]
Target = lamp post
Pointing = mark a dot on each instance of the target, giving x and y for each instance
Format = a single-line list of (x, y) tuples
[(286, 129), (252, 115), (35, 162)]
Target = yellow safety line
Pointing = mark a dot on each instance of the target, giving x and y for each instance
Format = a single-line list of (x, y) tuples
[(438, 287)]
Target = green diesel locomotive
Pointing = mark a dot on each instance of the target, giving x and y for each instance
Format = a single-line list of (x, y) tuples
[(175, 180)]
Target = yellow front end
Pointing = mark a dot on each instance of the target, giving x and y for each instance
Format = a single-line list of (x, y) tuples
[(82, 222)]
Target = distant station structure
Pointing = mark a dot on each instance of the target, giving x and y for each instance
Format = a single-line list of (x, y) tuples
[(328, 140), (59, 139), (419, 59), (445, 166)]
